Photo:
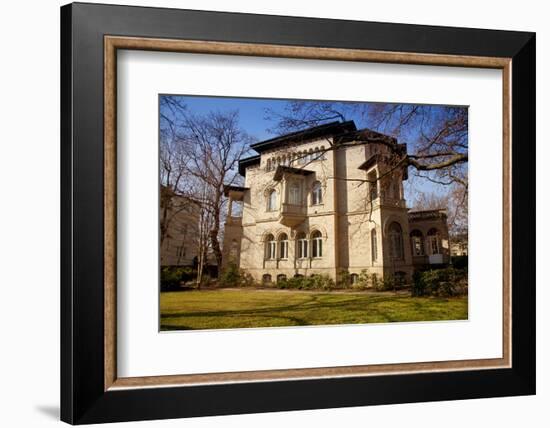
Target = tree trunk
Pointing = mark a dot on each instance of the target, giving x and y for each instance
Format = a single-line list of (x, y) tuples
[(215, 231)]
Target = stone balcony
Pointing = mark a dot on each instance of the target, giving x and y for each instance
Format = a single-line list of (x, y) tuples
[(292, 215)]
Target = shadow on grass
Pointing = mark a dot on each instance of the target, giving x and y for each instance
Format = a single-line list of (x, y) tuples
[(338, 309)]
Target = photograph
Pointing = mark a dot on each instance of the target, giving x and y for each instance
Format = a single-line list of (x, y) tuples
[(299, 212)]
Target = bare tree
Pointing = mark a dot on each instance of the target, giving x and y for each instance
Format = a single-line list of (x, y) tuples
[(174, 172), (436, 138), (214, 144), (199, 156), (438, 135)]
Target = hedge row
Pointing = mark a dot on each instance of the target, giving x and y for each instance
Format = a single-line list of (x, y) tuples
[(440, 282)]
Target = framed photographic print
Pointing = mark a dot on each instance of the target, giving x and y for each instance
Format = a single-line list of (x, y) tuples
[(267, 213)]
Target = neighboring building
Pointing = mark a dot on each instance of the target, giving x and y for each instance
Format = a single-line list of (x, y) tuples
[(306, 208), (178, 229), (459, 245)]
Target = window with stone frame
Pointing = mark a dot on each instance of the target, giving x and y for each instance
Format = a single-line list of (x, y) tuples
[(374, 245), (434, 239), (270, 247), (271, 200), (417, 243), (283, 246), (395, 233), (302, 245), (316, 244), (316, 194)]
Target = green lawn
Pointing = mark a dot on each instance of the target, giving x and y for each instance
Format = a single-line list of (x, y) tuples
[(212, 309)]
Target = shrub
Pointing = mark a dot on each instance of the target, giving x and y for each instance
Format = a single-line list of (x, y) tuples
[(292, 283), (387, 283), (440, 282), (344, 279), (232, 276), (172, 276), (418, 286), (313, 282), (374, 282), (247, 280), (323, 282), (460, 262)]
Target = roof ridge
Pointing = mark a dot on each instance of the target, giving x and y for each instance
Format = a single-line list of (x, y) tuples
[(311, 130)]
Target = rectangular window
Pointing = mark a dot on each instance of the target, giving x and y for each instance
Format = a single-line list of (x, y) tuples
[(317, 247), (270, 253), (434, 245), (284, 249), (374, 245), (294, 194), (302, 248)]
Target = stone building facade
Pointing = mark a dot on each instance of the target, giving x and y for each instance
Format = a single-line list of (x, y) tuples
[(326, 200)]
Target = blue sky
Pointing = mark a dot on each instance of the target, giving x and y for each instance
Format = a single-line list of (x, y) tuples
[(251, 111)]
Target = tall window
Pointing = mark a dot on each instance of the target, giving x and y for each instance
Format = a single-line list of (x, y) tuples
[(301, 241), (316, 244), (373, 185), (270, 247), (317, 194), (268, 165), (396, 241), (283, 246), (417, 242), (294, 196), (434, 240), (272, 200), (373, 245)]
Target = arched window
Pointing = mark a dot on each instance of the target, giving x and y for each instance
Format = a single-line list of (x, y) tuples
[(434, 240), (316, 244), (298, 275), (316, 194), (373, 245), (283, 246), (301, 158), (301, 244), (396, 241), (266, 278), (270, 247), (322, 156), (417, 243), (281, 277), (354, 278), (271, 200), (294, 194)]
